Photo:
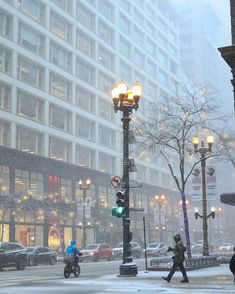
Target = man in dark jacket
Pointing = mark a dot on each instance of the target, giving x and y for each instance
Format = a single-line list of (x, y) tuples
[(178, 260), (232, 265)]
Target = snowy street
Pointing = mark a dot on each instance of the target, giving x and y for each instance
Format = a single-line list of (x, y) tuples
[(95, 280)]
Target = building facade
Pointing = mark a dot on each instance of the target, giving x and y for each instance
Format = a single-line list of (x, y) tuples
[(58, 63)]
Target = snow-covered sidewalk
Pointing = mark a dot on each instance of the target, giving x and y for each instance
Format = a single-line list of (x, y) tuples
[(210, 280)]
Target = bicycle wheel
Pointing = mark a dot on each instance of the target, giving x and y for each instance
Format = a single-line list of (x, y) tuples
[(66, 272), (76, 271)]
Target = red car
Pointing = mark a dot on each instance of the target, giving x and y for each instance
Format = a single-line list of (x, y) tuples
[(96, 252)]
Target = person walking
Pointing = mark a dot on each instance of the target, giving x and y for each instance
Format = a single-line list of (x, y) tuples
[(232, 264), (178, 260)]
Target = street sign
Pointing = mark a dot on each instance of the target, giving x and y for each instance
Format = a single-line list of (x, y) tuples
[(136, 209), (116, 181)]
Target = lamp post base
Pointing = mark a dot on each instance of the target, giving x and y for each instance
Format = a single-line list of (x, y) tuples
[(128, 269)]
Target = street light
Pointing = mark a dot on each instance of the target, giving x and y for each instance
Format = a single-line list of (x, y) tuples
[(84, 186), (203, 150), (125, 101), (160, 200)]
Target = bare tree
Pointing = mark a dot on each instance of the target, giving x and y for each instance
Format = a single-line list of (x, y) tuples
[(166, 129)]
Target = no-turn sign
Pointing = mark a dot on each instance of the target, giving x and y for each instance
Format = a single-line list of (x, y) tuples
[(116, 181)]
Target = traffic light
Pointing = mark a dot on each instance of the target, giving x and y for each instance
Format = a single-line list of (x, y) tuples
[(118, 210)]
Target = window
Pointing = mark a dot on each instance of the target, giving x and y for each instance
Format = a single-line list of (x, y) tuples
[(106, 109), (6, 24), (162, 40), (65, 5), (106, 163), (85, 100), (5, 180), (151, 29), (28, 140), (33, 8), (59, 149), (106, 8), (85, 44), (5, 60), (30, 73), (151, 69), (124, 25), (139, 17), (138, 58), (30, 106), (125, 4), (85, 128), (106, 58), (5, 96), (125, 48), (162, 77), (138, 37), (85, 17), (61, 27), (105, 83), (5, 134), (66, 190), (106, 33), (85, 72), (106, 137), (162, 57), (31, 40), (61, 57), (60, 87), (152, 91), (85, 157), (60, 118), (150, 48), (125, 72)]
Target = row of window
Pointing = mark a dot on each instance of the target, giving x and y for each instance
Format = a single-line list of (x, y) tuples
[(33, 108), (33, 74), (35, 41)]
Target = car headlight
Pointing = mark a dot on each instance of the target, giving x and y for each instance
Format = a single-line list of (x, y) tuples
[(91, 253)]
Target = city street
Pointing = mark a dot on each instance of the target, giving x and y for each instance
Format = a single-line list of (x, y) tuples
[(101, 277)]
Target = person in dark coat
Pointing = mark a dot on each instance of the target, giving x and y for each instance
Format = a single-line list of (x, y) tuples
[(178, 260), (232, 265)]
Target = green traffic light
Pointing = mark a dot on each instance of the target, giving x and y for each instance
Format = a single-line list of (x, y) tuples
[(118, 211)]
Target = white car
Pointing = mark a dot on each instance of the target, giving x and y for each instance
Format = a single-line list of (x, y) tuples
[(226, 247), (156, 249)]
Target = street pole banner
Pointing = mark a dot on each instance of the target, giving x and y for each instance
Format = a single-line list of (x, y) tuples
[(88, 206), (163, 214), (196, 185), (211, 185), (156, 215), (79, 209)]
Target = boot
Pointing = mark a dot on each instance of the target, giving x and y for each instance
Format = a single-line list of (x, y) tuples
[(166, 279), (185, 280)]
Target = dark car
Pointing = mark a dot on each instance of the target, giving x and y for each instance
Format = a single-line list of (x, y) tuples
[(43, 255), (136, 250), (12, 254), (96, 252)]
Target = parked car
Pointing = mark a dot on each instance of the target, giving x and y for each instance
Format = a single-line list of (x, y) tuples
[(12, 254), (96, 252), (136, 250), (226, 247), (197, 247), (156, 249), (43, 255)]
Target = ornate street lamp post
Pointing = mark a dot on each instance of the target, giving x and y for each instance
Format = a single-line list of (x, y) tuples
[(84, 186), (125, 101), (203, 150), (160, 200)]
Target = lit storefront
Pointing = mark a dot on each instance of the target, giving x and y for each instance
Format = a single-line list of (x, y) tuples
[(41, 203)]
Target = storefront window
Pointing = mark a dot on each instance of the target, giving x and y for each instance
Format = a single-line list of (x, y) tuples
[(4, 179), (66, 190)]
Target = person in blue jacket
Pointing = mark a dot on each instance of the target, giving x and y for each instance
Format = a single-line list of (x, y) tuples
[(72, 249)]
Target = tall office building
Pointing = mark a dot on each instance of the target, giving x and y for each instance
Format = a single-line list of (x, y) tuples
[(59, 60)]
